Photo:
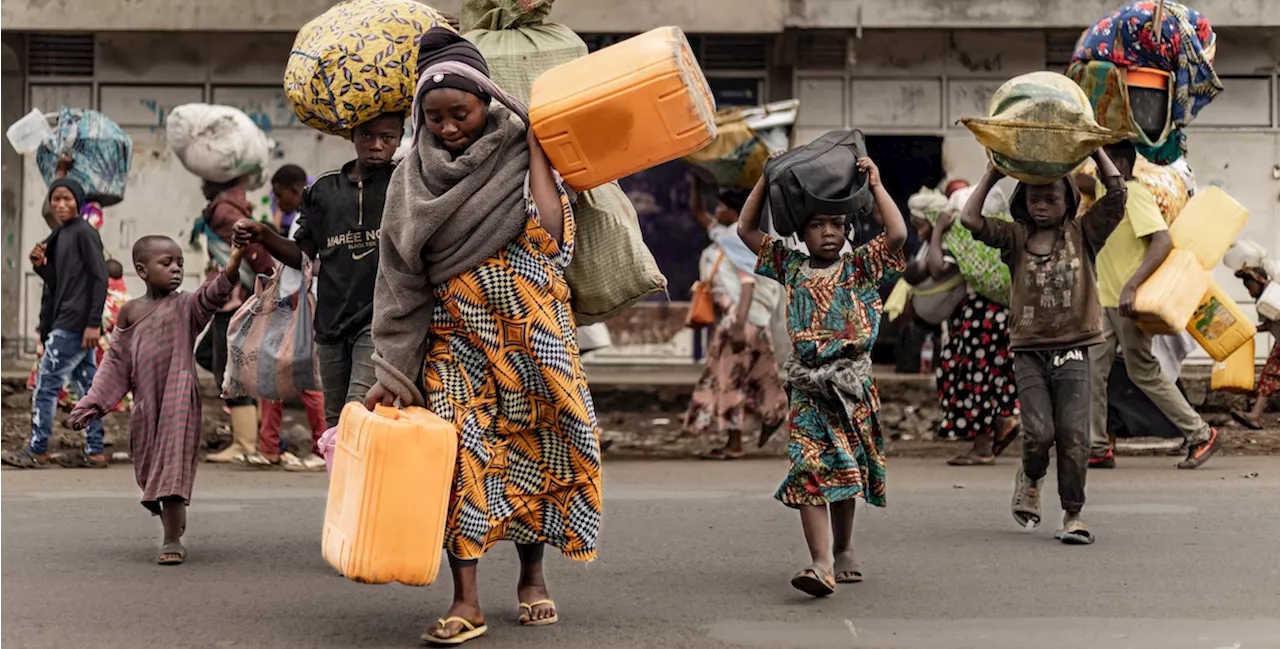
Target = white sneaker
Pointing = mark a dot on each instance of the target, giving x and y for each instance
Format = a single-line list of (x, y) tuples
[(311, 463)]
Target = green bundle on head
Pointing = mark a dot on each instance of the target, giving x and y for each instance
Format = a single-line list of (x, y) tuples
[(503, 14)]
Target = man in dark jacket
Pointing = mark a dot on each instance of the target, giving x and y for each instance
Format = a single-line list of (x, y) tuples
[(75, 290), (338, 226)]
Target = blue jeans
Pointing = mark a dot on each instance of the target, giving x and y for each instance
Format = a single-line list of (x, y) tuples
[(64, 359)]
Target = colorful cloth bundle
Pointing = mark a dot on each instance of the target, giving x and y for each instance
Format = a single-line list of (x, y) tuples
[(100, 150), (1127, 39), (356, 61), (980, 264)]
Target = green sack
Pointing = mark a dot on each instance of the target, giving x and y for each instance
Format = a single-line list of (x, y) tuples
[(1040, 128), (518, 56), (612, 269), (503, 14)]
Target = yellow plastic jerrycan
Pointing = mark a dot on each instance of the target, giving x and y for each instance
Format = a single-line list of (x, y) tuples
[(393, 471), (1236, 374), (1168, 299), (1208, 225), (623, 109), (1219, 325)]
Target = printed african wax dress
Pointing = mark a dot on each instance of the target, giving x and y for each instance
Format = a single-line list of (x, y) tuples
[(833, 313), (505, 368)]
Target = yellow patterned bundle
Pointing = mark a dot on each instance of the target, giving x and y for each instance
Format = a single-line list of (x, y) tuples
[(356, 61)]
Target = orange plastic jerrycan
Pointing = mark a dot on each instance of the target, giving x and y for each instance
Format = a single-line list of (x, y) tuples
[(393, 471), (623, 109)]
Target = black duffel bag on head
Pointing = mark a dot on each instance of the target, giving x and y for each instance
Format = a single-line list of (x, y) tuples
[(819, 178)]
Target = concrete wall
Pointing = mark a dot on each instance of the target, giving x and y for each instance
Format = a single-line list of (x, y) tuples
[(15, 258), (715, 16), (624, 16), (139, 78), (1036, 14)]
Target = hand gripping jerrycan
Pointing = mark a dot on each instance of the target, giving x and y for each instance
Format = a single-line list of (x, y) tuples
[(393, 471)]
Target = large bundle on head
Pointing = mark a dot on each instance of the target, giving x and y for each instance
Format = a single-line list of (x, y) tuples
[(1148, 69), (612, 268), (744, 140), (516, 42), (356, 61), (219, 143), (100, 151), (1039, 128)]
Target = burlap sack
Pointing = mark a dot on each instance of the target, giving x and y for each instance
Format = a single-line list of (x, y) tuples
[(612, 269), (1040, 127)]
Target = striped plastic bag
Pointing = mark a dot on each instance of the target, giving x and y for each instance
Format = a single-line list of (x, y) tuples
[(271, 351)]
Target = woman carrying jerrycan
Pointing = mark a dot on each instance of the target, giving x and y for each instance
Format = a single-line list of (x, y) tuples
[(484, 323)]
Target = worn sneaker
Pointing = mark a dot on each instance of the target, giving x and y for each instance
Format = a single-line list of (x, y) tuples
[(1026, 500), (310, 463), (25, 459), (1107, 461), (1200, 453)]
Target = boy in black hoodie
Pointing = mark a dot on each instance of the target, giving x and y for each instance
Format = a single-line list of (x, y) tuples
[(338, 226), (75, 289)]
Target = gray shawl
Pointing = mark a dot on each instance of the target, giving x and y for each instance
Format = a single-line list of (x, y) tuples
[(443, 216), (844, 380)]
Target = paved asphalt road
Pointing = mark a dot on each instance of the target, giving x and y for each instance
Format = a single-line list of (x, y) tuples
[(693, 555)]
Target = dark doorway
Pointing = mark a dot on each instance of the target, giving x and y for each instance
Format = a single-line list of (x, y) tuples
[(907, 163)]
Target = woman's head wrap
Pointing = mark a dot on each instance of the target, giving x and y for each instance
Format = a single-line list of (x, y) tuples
[(439, 45)]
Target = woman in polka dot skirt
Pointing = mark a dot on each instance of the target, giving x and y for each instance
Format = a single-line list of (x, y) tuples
[(976, 386)]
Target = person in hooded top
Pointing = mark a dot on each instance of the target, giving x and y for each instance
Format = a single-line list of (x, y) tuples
[(74, 271), (1051, 254), (472, 320)]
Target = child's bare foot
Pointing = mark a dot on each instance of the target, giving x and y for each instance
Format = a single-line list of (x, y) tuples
[(463, 621)]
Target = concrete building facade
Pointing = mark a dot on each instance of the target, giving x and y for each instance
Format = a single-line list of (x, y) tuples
[(902, 70)]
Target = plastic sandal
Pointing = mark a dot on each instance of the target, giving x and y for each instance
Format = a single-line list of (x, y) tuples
[(526, 613), (172, 549), (846, 564), (469, 632), (814, 581)]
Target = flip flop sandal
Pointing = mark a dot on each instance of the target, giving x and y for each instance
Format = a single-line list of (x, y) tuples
[(1243, 421), (1004, 442), (847, 565), (469, 632), (526, 613), (813, 581), (1075, 533), (971, 460), (170, 550)]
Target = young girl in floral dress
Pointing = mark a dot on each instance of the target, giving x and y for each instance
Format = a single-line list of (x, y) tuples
[(833, 316)]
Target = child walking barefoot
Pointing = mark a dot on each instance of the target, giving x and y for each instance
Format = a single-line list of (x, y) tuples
[(833, 316), (152, 354), (1056, 318)]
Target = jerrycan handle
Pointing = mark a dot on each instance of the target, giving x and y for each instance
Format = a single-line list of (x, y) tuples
[(389, 412)]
